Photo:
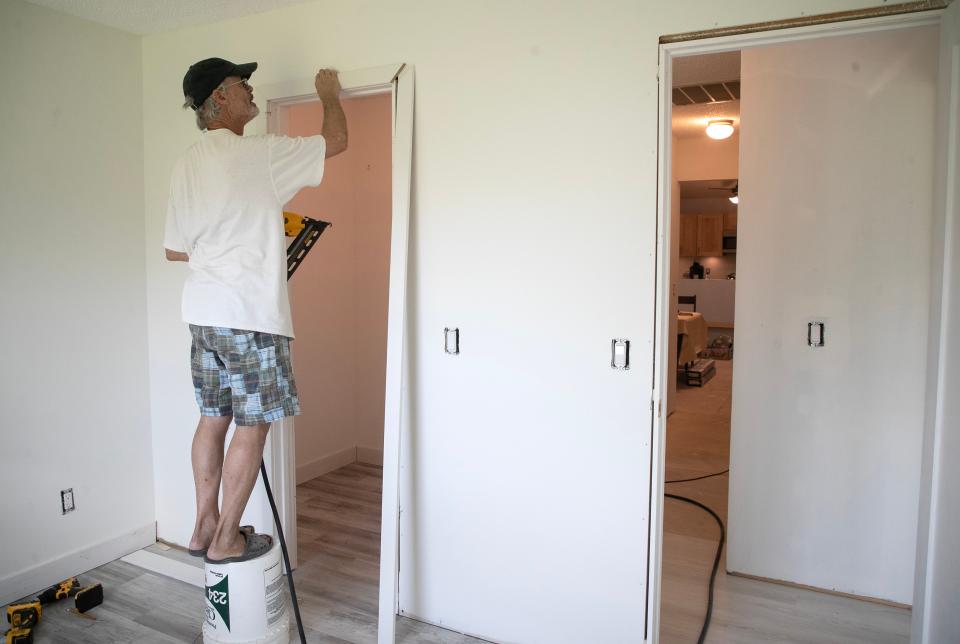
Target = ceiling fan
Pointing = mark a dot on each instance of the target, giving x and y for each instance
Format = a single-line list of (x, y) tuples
[(734, 192)]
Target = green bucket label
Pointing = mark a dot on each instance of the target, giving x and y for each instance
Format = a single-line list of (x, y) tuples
[(219, 597)]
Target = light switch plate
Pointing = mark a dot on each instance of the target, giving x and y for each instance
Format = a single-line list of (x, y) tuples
[(451, 341), (620, 353), (66, 501), (816, 333)]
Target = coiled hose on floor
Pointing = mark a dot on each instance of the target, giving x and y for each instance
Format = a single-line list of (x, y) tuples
[(716, 559)]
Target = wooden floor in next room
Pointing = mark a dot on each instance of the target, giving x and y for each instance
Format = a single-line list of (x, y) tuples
[(746, 611)]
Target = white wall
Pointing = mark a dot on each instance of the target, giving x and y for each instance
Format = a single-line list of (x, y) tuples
[(825, 444), (935, 615), (533, 230), (715, 298), (943, 557), (74, 388), (339, 293), (703, 158)]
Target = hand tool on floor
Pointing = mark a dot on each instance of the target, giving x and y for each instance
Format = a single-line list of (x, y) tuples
[(19, 636), (25, 615), (87, 598), (62, 590), (22, 617)]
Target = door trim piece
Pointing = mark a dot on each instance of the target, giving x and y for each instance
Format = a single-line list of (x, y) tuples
[(396, 80), (808, 21), (901, 16)]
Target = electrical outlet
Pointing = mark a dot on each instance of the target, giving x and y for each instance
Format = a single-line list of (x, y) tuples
[(66, 501)]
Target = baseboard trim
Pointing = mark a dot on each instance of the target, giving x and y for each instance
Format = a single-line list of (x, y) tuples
[(167, 566), (370, 455), (793, 584), (36, 578), (325, 464)]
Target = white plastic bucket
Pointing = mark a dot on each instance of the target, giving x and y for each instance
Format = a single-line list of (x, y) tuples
[(244, 602)]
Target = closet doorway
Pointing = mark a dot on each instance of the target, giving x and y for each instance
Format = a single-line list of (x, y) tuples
[(336, 475)]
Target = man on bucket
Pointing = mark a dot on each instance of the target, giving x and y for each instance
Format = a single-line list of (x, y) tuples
[(225, 218)]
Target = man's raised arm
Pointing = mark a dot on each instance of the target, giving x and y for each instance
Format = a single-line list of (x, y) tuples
[(334, 121)]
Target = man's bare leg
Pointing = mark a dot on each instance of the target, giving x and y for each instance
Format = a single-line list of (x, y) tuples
[(207, 457), (240, 470)]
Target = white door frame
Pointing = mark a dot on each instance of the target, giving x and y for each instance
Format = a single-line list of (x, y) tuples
[(280, 454), (661, 354)]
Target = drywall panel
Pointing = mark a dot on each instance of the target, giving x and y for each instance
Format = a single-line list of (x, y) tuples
[(339, 294), (703, 158), (715, 298), (533, 230), (74, 386), (825, 445), (935, 615)]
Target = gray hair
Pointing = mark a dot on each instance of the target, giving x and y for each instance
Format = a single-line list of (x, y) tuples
[(206, 113)]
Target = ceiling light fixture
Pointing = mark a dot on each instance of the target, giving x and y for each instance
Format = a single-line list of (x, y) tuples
[(720, 129), (735, 199)]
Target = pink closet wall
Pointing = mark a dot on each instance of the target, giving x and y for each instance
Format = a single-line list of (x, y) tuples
[(339, 294)]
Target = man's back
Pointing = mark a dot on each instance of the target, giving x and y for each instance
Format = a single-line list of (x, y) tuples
[(226, 198)]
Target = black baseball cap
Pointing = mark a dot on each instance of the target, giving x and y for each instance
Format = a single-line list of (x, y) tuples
[(205, 76)]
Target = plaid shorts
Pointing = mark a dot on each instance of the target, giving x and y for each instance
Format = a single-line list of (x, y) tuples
[(247, 374)]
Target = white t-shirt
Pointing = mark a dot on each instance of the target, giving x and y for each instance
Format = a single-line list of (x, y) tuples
[(226, 213)]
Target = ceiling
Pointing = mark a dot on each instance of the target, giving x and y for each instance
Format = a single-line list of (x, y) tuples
[(154, 16), (690, 121), (710, 189), (709, 68)]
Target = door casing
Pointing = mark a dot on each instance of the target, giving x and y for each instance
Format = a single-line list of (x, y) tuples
[(706, 44), (280, 454)]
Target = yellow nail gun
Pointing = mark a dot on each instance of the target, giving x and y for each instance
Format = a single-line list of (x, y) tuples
[(305, 231)]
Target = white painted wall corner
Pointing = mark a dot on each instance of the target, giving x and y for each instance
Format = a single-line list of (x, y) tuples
[(335, 460), (325, 464), (74, 563)]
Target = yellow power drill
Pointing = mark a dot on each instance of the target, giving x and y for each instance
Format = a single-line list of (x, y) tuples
[(25, 616)]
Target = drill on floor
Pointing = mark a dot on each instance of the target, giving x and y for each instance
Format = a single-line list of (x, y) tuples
[(24, 617)]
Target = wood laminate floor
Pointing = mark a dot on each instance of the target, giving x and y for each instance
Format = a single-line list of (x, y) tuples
[(339, 532), (745, 611), (337, 581)]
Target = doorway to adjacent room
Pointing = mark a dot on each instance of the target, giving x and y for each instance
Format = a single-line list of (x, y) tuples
[(814, 413), (339, 496)]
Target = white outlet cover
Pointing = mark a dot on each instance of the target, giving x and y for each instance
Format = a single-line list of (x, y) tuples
[(66, 501)]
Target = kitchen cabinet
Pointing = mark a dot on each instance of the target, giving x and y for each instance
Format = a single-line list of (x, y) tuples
[(701, 235), (710, 235), (729, 223), (688, 236)]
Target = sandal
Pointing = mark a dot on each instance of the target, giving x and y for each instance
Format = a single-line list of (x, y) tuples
[(202, 552), (256, 545)]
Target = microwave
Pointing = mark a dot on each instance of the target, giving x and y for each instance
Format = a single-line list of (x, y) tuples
[(729, 244)]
